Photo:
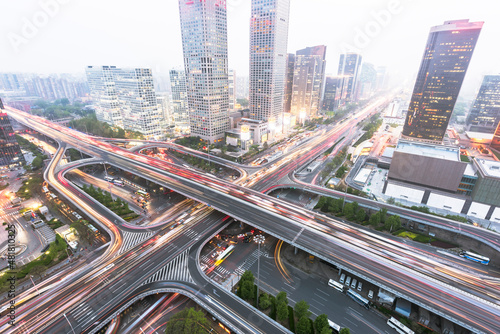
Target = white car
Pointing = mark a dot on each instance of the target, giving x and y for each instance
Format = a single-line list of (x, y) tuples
[(370, 294), (342, 278)]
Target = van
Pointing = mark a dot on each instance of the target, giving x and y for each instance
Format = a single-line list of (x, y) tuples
[(54, 196), (342, 278), (370, 294), (360, 286), (353, 284), (348, 280)]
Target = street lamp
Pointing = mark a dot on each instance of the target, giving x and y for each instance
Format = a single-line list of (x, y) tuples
[(69, 323), (31, 278), (259, 239)]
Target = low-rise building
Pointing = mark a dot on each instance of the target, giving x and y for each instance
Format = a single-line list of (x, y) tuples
[(487, 185)]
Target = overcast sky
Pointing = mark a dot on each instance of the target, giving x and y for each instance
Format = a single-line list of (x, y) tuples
[(77, 33)]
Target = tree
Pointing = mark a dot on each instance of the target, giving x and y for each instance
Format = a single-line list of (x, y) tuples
[(37, 162), (375, 219), (391, 200), (264, 301), (188, 321), (281, 311), (345, 330), (281, 297), (392, 223), (247, 276), (302, 309), (321, 322), (266, 145), (304, 326), (326, 330), (360, 215), (383, 214), (247, 290)]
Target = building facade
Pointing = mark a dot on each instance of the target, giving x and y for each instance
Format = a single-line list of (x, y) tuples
[(232, 89), (335, 92), (446, 58), (179, 99), (350, 67), (10, 152), (126, 98), (308, 77), (103, 93), (484, 115), (290, 68), (204, 45), (137, 99), (268, 57), (486, 189)]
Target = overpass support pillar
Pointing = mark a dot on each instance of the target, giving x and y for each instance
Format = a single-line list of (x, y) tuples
[(295, 250), (340, 271)]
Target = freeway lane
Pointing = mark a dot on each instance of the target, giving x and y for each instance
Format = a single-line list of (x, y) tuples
[(298, 228)]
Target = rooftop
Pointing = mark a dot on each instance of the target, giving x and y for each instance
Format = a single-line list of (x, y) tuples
[(489, 167), (469, 170), (429, 150)]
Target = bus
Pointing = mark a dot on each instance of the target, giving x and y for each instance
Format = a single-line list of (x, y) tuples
[(118, 182), (475, 257), (334, 327), (336, 285), (399, 327), (142, 194), (358, 299), (109, 178), (222, 256)]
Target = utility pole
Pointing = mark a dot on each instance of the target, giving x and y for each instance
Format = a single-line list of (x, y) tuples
[(259, 239)]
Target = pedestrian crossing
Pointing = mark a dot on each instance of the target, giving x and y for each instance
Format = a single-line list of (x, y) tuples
[(249, 261), (131, 239), (82, 313), (175, 270)]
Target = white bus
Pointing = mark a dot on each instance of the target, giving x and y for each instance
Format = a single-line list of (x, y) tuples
[(358, 299), (334, 327), (475, 257), (118, 182), (399, 327), (109, 178), (336, 285)]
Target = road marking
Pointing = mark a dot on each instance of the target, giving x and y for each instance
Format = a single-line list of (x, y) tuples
[(320, 297), (298, 234)]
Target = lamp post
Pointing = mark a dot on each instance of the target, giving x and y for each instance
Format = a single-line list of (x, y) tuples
[(259, 239), (106, 174), (69, 323), (31, 278)]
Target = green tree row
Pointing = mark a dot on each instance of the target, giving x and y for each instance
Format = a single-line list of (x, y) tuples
[(118, 206)]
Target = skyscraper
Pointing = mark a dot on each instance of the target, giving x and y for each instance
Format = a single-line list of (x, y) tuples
[(126, 98), (290, 68), (484, 115), (335, 91), (179, 99), (232, 89), (103, 92), (308, 80), (268, 56), (495, 142), (446, 58), (350, 67), (137, 99), (204, 44), (10, 152)]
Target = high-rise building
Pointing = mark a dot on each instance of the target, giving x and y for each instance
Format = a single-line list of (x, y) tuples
[(10, 152), (335, 92), (103, 93), (446, 58), (126, 98), (350, 67), (268, 56), (290, 68), (179, 99), (495, 142), (232, 89), (484, 115), (381, 83), (204, 44), (308, 78), (137, 99)]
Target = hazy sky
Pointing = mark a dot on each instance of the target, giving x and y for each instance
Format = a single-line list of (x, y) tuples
[(70, 34)]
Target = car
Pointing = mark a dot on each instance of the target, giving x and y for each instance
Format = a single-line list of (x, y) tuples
[(342, 278), (353, 283), (370, 294), (360, 286)]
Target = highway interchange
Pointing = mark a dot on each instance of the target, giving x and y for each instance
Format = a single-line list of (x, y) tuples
[(433, 282)]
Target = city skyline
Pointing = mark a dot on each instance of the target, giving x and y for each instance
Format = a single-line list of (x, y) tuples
[(406, 29)]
